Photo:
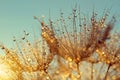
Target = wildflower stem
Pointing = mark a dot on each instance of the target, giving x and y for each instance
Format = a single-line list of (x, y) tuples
[(105, 78), (50, 78), (78, 70), (92, 71)]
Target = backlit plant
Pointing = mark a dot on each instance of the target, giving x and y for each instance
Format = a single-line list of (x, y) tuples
[(70, 48)]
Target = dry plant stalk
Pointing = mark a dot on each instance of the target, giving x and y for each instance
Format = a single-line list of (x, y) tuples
[(68, 49)]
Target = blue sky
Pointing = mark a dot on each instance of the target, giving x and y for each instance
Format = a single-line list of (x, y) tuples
[(17, 15)]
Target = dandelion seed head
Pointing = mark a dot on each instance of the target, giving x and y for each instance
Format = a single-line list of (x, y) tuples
[(64, 47)]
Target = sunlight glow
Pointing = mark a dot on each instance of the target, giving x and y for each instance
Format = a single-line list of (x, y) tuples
[(5, 72)]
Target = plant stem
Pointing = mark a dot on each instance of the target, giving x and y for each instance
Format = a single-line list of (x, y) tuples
[(78, 70), (105, 78), (92, 71)]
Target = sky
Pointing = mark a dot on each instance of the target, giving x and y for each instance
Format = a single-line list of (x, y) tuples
[(17, 15)]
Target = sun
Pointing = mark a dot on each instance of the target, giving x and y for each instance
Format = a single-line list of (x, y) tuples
[(5, 71)]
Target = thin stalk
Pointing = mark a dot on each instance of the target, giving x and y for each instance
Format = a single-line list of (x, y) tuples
[(78, 70), (105, 78), (50, 78), (92, 71)]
